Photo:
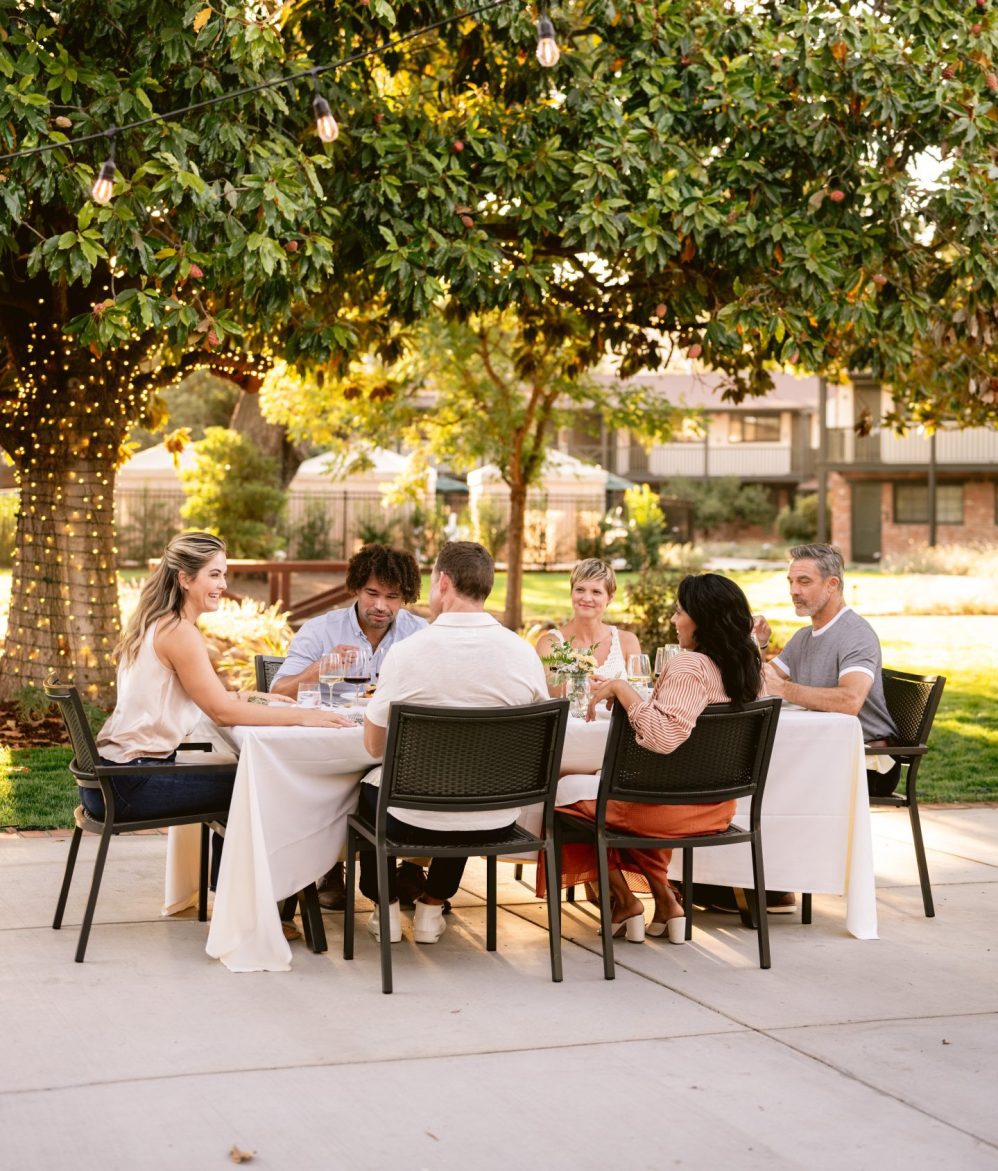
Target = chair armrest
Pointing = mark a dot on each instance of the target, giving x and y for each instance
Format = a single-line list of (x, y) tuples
[(197, 746), (896, 749), (178, 770)]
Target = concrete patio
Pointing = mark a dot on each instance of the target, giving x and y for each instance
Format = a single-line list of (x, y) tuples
[(845, 1054)]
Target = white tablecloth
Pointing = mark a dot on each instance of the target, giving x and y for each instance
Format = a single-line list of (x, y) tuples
[(296, 786), (816, 812)]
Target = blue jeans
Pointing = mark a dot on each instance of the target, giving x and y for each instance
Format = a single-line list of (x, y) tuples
[(162, 794)]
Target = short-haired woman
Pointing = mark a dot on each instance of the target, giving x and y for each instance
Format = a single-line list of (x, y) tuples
[(593, 586), (166, 681), (722, 664)]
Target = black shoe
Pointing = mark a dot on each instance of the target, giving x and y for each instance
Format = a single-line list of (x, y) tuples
[(332, 891), (411, 883)]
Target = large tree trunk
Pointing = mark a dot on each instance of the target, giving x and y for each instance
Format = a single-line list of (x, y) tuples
[(64, 591), (270, 438), (513, 615)]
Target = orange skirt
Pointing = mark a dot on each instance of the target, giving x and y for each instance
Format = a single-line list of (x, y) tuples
[(578, 859)]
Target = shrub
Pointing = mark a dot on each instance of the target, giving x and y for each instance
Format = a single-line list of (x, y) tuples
[(799, 525), (725, 505), (233, 491), (958, 560), (645, 526), (491, 526), (238, 631), (651, 597), (310, 536), (151, 524)]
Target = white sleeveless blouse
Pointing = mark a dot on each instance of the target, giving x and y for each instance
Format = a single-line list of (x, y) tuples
[(613, 666), (153, 715)]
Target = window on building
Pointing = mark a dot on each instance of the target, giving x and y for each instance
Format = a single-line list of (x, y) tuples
[(911, 504), (754, 429)]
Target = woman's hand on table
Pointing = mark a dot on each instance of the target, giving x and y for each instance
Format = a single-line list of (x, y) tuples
[(608, 691), (317, 717)]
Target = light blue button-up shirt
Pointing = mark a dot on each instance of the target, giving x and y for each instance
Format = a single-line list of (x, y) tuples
[(329, 630)]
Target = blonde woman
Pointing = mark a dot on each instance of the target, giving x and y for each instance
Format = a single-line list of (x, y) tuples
[(593, 586), (166, 682)]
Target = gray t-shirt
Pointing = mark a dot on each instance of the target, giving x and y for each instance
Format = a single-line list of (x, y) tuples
[(819, 658)]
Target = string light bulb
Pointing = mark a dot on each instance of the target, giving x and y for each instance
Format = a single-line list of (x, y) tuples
[(103, 187), (547, 48), (325, 123)]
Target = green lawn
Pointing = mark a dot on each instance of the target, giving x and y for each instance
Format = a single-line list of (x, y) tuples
[(963, 765)]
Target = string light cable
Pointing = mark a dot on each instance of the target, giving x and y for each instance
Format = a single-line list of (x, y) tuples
[(326, 126)]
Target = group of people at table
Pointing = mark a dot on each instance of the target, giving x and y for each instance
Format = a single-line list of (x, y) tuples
[(463, 656)]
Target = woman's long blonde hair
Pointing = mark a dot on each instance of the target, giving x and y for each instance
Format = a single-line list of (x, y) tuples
[(162, 594)]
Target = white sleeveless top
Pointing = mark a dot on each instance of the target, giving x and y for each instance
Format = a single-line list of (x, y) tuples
[(613, 666), (153, 714)]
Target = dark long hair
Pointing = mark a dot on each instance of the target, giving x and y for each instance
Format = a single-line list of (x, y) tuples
[(724, 631)]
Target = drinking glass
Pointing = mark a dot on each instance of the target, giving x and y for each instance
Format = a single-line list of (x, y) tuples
[(663, 656), (309, 695), (639, 671), (358, 671), (331, 671)]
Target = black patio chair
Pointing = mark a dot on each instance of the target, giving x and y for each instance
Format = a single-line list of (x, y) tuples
[(726, 757), (266, 667), (912, 701), (448, 760), (89, 773)]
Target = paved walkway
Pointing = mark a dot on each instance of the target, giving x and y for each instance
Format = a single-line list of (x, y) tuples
[(843, 1055)]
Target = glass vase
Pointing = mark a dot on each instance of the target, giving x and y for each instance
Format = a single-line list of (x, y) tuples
[(577, 694)]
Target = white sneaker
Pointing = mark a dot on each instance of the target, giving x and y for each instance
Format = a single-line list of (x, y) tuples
[(428, 923), (394, 923)]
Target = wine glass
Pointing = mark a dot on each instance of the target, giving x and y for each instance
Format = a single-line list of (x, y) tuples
[(639, 672), (331, 671), (358, 671), (663, 656)]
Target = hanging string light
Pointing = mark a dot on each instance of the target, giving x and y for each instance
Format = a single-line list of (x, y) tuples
[(325, 123), (547, 47), (103, 187)]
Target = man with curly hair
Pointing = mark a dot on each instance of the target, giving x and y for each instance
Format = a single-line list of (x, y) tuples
[(383, 580)]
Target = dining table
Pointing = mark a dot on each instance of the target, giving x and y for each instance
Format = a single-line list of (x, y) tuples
[(296, 786)]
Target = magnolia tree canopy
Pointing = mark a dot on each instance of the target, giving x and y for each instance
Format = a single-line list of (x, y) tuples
[(745, 181)]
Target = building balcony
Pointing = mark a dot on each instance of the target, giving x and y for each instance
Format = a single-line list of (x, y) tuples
[(975, 446)]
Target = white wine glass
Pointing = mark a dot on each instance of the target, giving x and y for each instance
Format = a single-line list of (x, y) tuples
[(663, 656), (331, 671), (639, 672)]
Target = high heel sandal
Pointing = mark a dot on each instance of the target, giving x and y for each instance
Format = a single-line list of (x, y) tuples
[(674, 928), (633, 929)]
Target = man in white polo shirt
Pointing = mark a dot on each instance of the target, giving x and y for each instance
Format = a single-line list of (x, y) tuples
[(464, 659)]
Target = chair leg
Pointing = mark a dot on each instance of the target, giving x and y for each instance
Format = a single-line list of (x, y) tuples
[(605, 914), (688, 892), (805, 908), (88, 914), (203, 873), (491, 898), (67, 878), (518, 872), (923, 868), (762, 919), (570, 895), (350, 887), (383, 920), (552, 865), (311, 918)]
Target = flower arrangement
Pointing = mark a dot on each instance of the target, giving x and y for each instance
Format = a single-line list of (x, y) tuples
[(565, 659)]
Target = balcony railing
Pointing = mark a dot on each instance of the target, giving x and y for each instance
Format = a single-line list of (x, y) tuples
[(975, 445)]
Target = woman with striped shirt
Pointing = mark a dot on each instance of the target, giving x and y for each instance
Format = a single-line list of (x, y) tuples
[(721, 664)]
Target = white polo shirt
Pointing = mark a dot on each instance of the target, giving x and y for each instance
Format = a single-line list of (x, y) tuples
[(464, 659)]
